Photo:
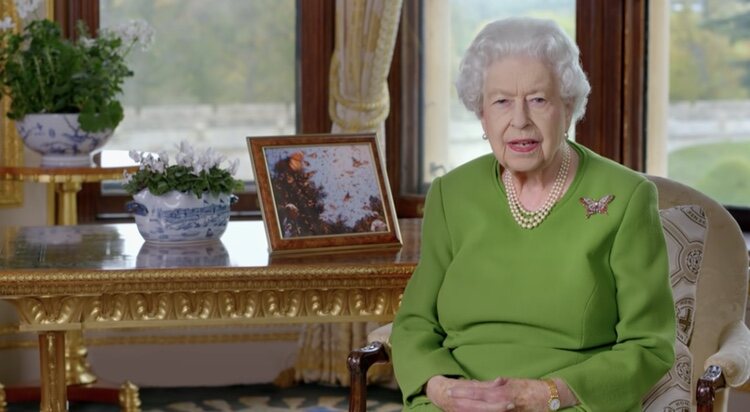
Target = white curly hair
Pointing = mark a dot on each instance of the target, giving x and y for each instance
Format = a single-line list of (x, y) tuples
[(526, 36)]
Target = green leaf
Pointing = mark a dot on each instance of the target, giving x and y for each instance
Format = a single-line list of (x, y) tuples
[(51, 74)]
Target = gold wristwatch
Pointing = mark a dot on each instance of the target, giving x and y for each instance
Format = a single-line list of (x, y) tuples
[(554, 396)]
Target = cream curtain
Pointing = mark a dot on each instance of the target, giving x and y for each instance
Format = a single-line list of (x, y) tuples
[(365, 37)]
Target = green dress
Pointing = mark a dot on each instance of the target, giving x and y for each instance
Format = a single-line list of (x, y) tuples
[(583, 299)]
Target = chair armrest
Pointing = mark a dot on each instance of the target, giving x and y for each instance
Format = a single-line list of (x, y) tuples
[(733, 356), (359, 363), (705, 392), (361, 359), (381, 334)]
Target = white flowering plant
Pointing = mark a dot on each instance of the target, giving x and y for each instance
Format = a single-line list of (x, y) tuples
[(43, 72), (193, 172)]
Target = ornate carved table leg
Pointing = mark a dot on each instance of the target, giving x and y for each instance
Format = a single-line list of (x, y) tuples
[(77, 369), (130, 401), (52, 363)]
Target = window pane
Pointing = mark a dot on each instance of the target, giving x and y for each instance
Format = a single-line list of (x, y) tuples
[(218, 71), (709, 98), (451, 134)]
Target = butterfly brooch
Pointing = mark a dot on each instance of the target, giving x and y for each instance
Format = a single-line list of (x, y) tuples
[(594, 207)]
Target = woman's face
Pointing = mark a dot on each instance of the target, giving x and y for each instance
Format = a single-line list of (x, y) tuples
[(523, 115)]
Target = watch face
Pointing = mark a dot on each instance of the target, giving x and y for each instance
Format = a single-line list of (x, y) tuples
[(554, 404)]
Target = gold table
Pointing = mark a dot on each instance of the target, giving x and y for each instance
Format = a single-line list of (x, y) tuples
[(68, 182), (62, 278)]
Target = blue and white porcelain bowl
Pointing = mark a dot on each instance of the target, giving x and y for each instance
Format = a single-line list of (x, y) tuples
[(177, 217), (59, 139)]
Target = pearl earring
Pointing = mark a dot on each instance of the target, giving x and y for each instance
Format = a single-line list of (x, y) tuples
[(484, 136)]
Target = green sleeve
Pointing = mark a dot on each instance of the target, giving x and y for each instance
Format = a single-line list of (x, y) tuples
[(417, 337), (617, 379)]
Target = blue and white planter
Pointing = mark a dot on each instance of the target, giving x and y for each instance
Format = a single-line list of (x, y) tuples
[(59, 139), (177, 217)]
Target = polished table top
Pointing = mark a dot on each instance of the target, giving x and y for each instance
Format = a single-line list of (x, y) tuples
[(63, 174), (96, 276)]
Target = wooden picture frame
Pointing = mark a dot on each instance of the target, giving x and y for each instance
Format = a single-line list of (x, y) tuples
[(323, 192)]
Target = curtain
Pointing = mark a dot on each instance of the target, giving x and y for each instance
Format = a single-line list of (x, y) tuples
[(365, 37)]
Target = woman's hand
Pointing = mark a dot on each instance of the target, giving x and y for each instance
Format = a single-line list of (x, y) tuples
[(440, 391), (501, 394), (437, 390)]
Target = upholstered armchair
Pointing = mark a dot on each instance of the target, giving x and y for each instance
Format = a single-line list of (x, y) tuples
[(709, 274)]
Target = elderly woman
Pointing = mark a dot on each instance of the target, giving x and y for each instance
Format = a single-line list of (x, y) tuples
[(543, 280)]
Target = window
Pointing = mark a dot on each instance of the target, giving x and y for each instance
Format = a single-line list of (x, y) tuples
[(218, 71), (708, 126), (202, 81), (451, 134), (610, 34)]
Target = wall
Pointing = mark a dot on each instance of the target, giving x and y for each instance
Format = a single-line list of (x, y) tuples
[(33, 210), (171, 357)]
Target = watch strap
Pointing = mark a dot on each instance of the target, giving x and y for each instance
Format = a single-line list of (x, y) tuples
[(553, 403)]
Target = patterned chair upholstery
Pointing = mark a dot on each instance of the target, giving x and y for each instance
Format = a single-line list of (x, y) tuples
[(713, 333)]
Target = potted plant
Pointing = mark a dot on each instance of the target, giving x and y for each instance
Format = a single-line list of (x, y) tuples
[(187, 201), (64, 93)]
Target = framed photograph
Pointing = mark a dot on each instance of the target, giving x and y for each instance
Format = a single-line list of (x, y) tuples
[(323, 192)]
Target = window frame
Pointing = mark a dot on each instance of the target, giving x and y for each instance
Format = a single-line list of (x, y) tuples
[(314, 17)]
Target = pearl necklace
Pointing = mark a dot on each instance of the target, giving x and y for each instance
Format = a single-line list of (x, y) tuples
[(531, 219)]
